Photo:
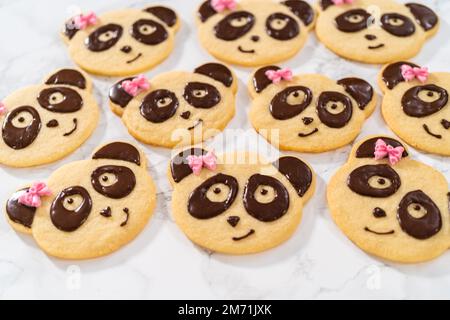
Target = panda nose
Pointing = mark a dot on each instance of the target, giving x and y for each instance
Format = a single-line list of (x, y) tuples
[(370, 37), (126, 49), (255, 38), (233, 220), (307, 120)]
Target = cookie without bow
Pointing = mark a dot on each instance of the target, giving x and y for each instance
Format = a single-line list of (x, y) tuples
[(256, 32), (46, 122), (417, 111), (397, 212), (122, 42), (310, 112), (375, 31), (179, 108), (96, 207), (245, 205)]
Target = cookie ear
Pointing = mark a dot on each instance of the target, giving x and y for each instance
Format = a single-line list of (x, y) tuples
[(118, 96), (119, 151), (391, 74), (218, 72), (302, 10), (360, 90), (167, 15), (324, 4), (179, 166), (260, 81), (70, 77), (297, 172), (425, 17), (69, 30), (205, 11), (366, 148)]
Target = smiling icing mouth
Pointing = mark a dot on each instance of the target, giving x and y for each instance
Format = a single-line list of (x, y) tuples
[(245, 51), (381, 45), (379, 233), (197, 123), (243, 237), (427, 130), (136, 58), (75, 126), (303, 135)]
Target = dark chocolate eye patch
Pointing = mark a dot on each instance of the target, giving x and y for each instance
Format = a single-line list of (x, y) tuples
[(397, 24), (213, 197), (282, 27), (377, 181), (114, 182), (353, 20), (290, 102), (21, 127), (334, 109), (234, 26), (60, 100), (159, 106), (104, 37), (422, 101), (265, 198), (201, 95), (149, 32)]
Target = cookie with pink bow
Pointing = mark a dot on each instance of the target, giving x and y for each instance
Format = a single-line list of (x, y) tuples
[(308, 112), (122, 42), (415, 105), (89, 208), (238, 203), (176, 108), (390, 205)]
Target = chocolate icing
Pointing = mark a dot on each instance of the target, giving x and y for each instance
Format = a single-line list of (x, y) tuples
[(367, 148), (72, 101), (297, 172), (119, 151), (424, 227), (307, 120), (424, 15), (217, 72), (244, 236), (127, 217), (179, 165), (194, 90), (290, 31), (20, 213), (379, 213), (359, 90), (379, 233), (301, 9), (70, 77), (106, 212), (266, 212), (141, 26), (93, 42), (206, 11), (414, 106), (200, 207), (282, 110), (392, 74), (233, 221), (75, 126), (68, 220), (122, 187), (260, 80), (159, 106), (52, 123), (324, 4), (406, 29), (331, 120), (69, 29), (20, 138), (358, 181), (445, 124), (118, 95), (165, 14), (224, 29), (344, 24), (427, 130)]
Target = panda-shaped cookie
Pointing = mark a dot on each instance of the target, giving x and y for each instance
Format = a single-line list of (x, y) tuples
[(417, 110), (176, 108), (395, 207), (122, 42), (94, 206), (375, 31), (309, 112), (241, 205), (254, 32), (46, 122)]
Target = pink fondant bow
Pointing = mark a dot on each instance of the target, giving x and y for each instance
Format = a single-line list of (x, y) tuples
[(32, 197), (382, 150), (222, 5), (197, 163), (410, 73), (135, 86), (339, 2), (2, 108), (83, 21), (277, 75)]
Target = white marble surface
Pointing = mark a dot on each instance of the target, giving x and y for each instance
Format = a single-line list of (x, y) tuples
[(318, 262)]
